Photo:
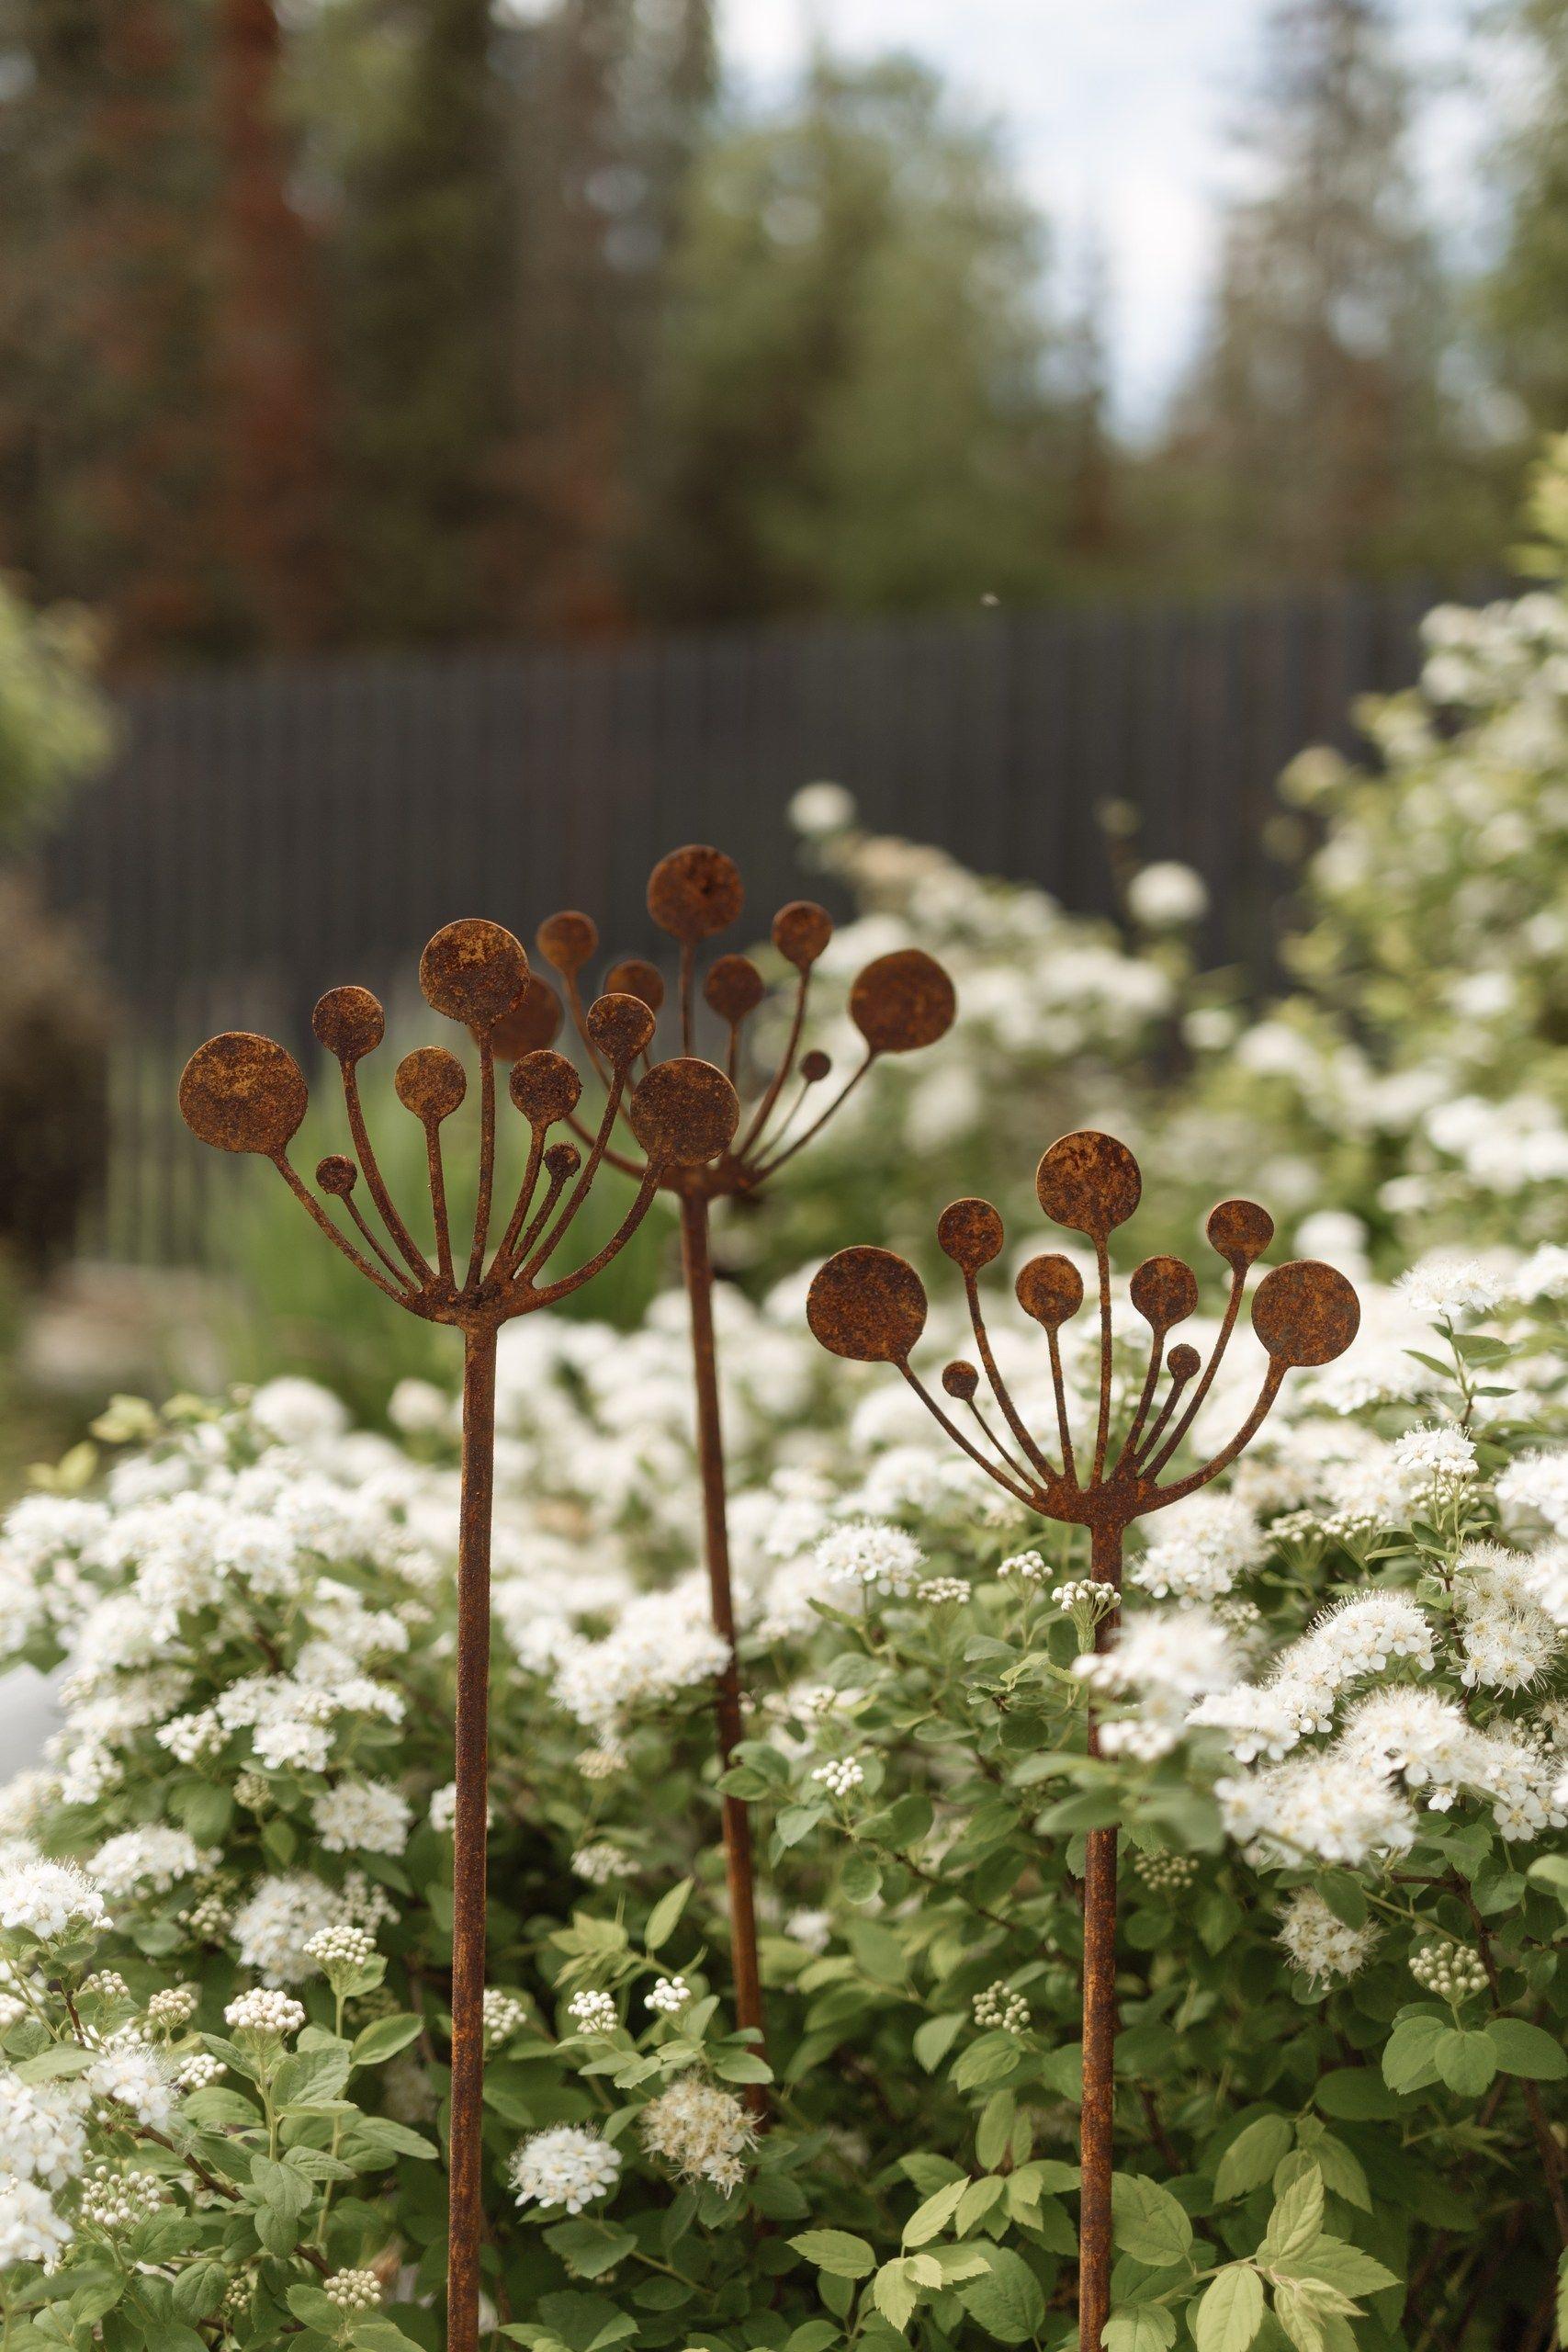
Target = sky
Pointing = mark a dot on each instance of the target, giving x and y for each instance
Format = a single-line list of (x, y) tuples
[(1116, 112)]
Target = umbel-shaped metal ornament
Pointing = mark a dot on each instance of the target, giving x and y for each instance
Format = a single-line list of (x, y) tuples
[(869, 1305), (245, 1093), (898, 1002)]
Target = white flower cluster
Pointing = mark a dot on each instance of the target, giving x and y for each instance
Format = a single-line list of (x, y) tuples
[(593, 2012), (1165, 1874), (50, 1901), (344, 1947), (704, 2132), (1355, 1639), (134, 2075), (504, 2015), (1205, 1544), (841, 1776), (1319, 1943), (1451, 1971), (30, 2229), (1507, 1638), (1163, 1662), (265, 2010), (942, 1593), (174, 2006), (148, 1861), (1440, 1456), (353, 2291), (669, 1996), (116, 2201), (662, 1646), (42, 2134), (567, 2165), (871, 1556), (601, 1862), (1002, 2008), (1027, 1567), (363, 1816)]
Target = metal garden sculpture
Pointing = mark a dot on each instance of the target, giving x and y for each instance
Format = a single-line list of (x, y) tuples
[(899, 1002), (869, 1305), (245, 1093)]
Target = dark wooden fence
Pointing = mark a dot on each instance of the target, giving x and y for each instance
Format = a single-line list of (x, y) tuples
[(269, 831)]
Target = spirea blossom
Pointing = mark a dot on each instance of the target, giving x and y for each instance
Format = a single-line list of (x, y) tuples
[(1443, 1288), (565, 2165), (702, 2132), (42, 2136), (30, 2229), (1324, 1808), (1002, 2008), (273, 1930), (265, 2010), (669, 1996), (1451, 1971), (116, 2201), (1444, 1456), (841, 1776), (49, 1900), (504, 2015), (593, 2012), (135, 2075), (871, 1554), (1203, 1546), (363, 1816), (148, 1861), (1163, 1661), (600, 1862), (662, 1644), (353, 2291), (1320, 1943)]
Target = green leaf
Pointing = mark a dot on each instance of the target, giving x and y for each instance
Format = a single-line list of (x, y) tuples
[(378, 2133), (895, 2294), (929, 2221), (1348, 2268), (1355, 2095), (1344, 1897), (1146, 2220), (284, 2190), (1252, 2157), (1465, 2060), (1006, 2298), (991, 2059), (935, 2038), (310, 2077), (1295, 2222), (1140, 2327), (836, 2252), (1297, 2317), (665, 1916), (1528, 2049), (199, 2289), (373, 2335), (384, 2039), (316, 2308), (1408, 2058), (1231, 2310), (590, 2249)]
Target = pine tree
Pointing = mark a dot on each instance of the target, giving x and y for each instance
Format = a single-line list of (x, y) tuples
[(268, 357), (1525, 300), (852, 403), (1316, 433)]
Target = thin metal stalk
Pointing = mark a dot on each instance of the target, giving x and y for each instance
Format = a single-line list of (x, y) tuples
[(464, 2157), (1099, 2017), (739, 1869)]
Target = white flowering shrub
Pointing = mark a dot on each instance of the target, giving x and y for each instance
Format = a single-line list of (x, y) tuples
[(1335, 1725)]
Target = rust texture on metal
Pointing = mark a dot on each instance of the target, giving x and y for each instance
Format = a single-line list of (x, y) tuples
[(899, 1004), (869, 1305), (245, 1093)]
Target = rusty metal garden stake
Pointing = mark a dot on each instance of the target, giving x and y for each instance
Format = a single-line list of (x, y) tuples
[(245, 1093), (899, 1002), (869, 1305)]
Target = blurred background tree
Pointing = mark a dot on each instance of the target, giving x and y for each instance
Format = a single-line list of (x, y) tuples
[(403, 321)]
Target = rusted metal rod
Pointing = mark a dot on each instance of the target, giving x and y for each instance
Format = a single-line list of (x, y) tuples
[(471, 1826), (1097, 2129), (869, 1305), (739, 1869)]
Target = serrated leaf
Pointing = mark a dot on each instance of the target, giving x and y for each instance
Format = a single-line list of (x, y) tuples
[(1140, 2327), (1335, 2263), (836, 2252), (1231, 2310), (1296, 2316), (1006, 2298), (895, 2294), (1146, 2220), (929, 2221), (1252, 2157), (1295, 2222)]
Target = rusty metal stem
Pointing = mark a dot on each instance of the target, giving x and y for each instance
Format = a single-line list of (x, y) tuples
[(465, 2211), (1099, 2016), (740, 1870)]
